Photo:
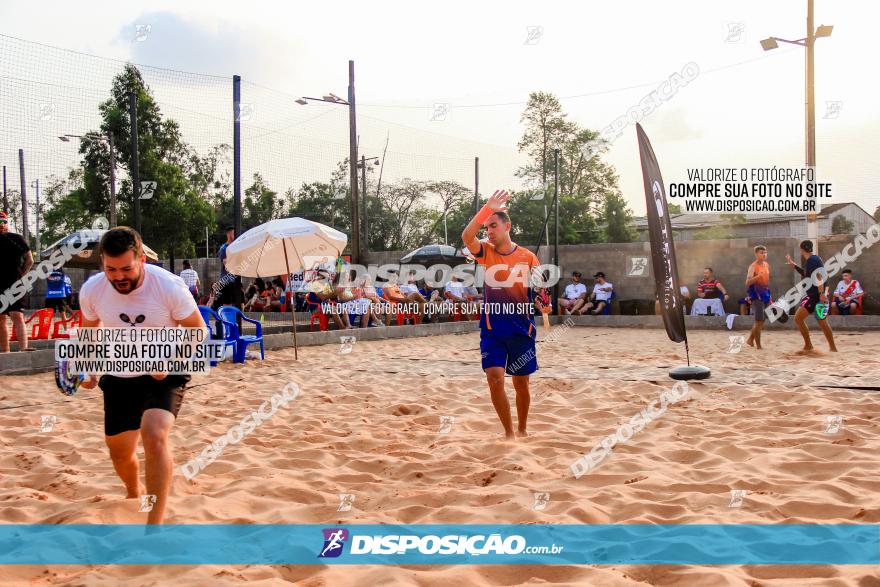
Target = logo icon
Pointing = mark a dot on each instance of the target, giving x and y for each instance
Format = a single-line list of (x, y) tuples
[(141, 32), (334, 542), (638, 266), (446, 424), (542, 498), (440, 112), (346, 500), (100, 223), (245, 111), (736, 497), (832, 109), (137, 320), (735, 32), (833, 424), (46, 111), (147, 189), (736, 343), (47, 423), (533, 35), (347, 344), (147, 502)]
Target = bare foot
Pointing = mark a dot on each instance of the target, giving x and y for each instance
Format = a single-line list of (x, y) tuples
[(832, 349), (807, 350), (750, 342), (140, 491), (509, 435), (521, 433)]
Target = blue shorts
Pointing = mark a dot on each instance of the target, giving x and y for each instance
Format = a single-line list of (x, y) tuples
[(515, 353)]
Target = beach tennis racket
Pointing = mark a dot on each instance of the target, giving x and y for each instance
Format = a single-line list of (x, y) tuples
[(821, 311), (68, 383)]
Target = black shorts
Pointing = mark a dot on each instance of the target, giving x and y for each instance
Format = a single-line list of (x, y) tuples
[(127, 398), (15, 306), (231, 294), (57, 304), (809, 301)]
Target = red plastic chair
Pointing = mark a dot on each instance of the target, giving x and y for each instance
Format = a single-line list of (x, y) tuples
[(320, 316), (858, 311), (75, 321), (401, 317), (39, 329)]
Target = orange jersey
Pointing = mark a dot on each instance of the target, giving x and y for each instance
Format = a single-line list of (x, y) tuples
[(507, 296)]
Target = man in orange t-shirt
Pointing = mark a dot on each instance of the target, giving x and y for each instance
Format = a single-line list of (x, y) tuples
[(758, 285), (507, 327)]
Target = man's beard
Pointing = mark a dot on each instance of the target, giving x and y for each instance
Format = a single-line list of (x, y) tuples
[(125, 286)]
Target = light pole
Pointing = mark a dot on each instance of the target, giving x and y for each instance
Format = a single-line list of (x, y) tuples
[(352, 155), (807, 42), (36, 186), (362, 165), (108, 138)]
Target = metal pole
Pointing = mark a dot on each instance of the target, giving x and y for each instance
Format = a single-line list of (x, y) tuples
[(445, 232), (135, 164), (352, 159), (24, 229), (366, 203), (810, 115), (476, 185), (112, 180), (5, 199), (207, 254), (236, 153), (556, 221), (37, 217)]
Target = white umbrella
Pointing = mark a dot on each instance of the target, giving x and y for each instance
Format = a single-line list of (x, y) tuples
[(283, 246)]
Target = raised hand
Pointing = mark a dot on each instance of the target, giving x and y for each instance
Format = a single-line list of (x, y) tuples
[(498, 200)]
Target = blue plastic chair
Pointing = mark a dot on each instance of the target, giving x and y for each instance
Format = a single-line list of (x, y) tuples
[(226, 329), (231, 315)]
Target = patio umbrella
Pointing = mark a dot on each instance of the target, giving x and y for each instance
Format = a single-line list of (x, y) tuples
[(88, 258), (281, 247), (434, 254)]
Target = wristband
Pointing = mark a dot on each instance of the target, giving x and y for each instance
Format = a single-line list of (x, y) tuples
[(484, 213)]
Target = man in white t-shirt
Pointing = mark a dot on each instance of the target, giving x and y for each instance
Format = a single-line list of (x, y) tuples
[(601, 297), (191, 279), (131, 293), (575, 295)]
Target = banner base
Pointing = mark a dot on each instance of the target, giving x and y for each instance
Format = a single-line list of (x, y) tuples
[(690, 373)]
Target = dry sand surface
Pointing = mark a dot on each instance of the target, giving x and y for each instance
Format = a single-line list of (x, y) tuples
[(367, 423)]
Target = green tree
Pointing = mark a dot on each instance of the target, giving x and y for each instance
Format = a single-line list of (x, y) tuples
[(174, 219), (585, 181), (260, 204), (840, 225), (617, 218)]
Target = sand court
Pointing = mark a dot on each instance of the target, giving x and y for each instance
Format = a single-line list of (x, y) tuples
[(402, 431)]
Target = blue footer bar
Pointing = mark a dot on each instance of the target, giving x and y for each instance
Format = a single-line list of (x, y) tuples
[(441, 544)]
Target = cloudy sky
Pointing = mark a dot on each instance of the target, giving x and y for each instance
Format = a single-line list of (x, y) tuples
[(744, 109)]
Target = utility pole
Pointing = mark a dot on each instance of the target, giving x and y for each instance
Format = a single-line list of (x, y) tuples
[(135, 164), (352, 164)]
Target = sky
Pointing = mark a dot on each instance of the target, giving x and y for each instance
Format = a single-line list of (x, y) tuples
[(480, 60)]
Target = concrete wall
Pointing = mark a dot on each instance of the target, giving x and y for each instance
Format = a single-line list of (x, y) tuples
[(729, 258)]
